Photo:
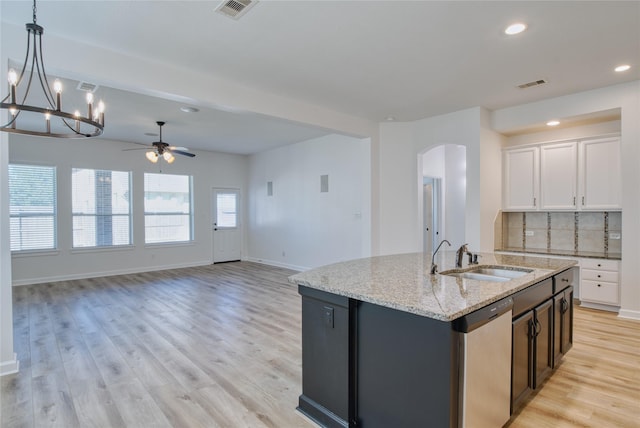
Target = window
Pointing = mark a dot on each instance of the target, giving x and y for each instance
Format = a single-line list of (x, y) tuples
[(226, 207), (101, 208), (167, 208), (32, 207)]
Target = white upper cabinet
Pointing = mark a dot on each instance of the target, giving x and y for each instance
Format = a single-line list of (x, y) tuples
[(567, 176), (558, 178), (520, 179), (599, 182)]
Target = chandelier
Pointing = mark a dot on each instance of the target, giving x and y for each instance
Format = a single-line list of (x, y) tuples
[(71, 125)]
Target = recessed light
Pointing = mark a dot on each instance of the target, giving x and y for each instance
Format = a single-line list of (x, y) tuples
[(188, 109), (516, 28), (553, 123), (389, 118), (622, 68)]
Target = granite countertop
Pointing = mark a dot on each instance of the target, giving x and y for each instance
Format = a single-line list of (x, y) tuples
[(404, 282), (564, 253)]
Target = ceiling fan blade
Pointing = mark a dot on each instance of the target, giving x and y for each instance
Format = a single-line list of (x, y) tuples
[(183, 153), (177, 148), (140, 148)]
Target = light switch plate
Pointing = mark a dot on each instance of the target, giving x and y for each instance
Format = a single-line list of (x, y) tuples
[(328, 316), (614, 235)]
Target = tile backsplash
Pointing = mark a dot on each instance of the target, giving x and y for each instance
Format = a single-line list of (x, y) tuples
[(598, 232)]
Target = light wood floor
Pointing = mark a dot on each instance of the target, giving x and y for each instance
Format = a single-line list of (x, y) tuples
[(220, 346)]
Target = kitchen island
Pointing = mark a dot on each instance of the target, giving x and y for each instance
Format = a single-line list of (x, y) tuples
[(383, 340)]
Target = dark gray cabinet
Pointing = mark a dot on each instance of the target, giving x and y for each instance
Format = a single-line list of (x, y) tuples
[(563, 324), (542, 332), (521, 367), (327, 384), (532, 356)]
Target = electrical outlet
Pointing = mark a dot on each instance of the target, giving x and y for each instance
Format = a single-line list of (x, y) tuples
[(328, 316), (528, 233), (614, 235)]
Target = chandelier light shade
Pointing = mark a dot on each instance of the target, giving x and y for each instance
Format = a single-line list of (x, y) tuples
[(72, 125)]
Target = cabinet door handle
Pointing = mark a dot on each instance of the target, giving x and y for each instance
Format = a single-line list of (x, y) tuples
[(538, 328), (532, 329), (534, 202), (583, 201), (574, 200), (564, 305)]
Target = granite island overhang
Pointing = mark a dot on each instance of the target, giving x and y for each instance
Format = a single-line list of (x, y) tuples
[(403, 282), (379, 339)]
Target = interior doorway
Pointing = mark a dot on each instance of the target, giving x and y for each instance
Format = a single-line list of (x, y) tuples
[(431, 213), (226, 225), (442, 196)]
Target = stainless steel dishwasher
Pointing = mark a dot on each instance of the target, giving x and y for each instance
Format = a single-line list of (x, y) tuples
[(485, 381)]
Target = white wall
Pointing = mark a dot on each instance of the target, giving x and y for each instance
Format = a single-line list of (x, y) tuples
[(299, 227), (207, 168), (402, 146), (626, 97), (8, 361), (489, 197), (455, 192), (563, 134)]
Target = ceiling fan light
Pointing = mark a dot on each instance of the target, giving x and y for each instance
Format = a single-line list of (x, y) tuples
[(152, 156), (168, 157)]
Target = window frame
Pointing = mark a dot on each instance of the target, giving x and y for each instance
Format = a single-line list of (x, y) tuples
[(156, 214), (53, 214), (75, 215)]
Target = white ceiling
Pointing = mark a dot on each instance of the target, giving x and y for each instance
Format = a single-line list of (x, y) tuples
[(368, 59)]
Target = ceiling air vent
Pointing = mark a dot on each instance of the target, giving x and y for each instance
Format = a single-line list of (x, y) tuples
[(86, 86), (534, 83), (235, 8)]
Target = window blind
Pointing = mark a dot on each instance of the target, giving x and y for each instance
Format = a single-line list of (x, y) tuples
[(101, 208), (167, 208), (32, 207)]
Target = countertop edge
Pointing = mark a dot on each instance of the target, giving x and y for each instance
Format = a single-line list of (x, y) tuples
[(539, 274)]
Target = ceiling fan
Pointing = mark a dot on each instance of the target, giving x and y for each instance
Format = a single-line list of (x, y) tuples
[(161, 149)]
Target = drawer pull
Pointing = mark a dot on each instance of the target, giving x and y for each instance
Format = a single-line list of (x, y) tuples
[(599, 265), (599, 285), (564, 280), (599, 276)]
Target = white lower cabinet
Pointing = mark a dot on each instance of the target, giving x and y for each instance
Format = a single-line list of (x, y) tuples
[(599, 281)]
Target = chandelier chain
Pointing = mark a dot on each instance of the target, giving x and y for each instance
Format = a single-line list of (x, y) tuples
[(35, 9)]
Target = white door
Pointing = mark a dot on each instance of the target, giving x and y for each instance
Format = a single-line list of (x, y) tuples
[(558, 176), (226, 225), (520, 175), (599, 172)]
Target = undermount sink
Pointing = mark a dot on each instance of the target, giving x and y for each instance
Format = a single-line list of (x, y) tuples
[(488, 273)]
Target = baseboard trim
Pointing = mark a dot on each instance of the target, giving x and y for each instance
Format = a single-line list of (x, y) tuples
[(10, 367), (629, 314), (277, 264), (87, 275), (599, 306)]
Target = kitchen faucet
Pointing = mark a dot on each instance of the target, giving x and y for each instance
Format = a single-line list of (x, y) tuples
[(463, 249), (434, 266)]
